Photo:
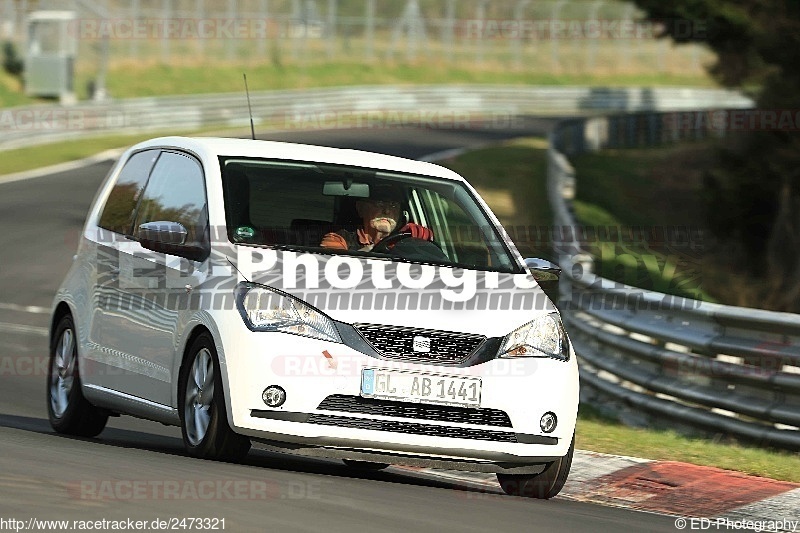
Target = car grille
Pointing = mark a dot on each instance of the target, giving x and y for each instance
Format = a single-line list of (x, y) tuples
[(413, 428), (398, 343), (417, 411)]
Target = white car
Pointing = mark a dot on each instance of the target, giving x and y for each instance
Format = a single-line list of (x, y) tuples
[(319, 301)]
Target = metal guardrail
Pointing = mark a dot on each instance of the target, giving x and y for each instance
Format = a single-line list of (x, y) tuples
[(713, 368), (458, 107)]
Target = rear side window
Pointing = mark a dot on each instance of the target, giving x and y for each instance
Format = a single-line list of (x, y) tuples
[(117, 214), (176, 193)]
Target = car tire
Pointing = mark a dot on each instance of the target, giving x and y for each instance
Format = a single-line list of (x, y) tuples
[(543, 485), (69, 411), (204, 420), (364, 465)]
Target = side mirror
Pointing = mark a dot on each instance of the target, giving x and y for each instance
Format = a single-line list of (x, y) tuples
[(546, 275), (170, 238)]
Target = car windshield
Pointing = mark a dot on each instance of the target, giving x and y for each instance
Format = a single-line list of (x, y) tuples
[(336, 209)]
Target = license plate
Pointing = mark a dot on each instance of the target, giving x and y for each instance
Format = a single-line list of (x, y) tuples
[(420, 388)]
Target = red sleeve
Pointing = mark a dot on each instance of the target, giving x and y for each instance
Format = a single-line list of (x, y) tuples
[(417, 231), (333, 240)]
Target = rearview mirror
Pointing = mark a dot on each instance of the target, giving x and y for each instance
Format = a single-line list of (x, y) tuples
[(346, 188), (170, 238)]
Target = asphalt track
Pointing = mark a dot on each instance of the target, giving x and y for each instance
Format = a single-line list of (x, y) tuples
[(138, 470)]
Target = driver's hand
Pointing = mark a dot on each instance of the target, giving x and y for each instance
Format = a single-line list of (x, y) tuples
[(417, 231)]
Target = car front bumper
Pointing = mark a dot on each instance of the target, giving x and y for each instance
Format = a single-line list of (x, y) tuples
[(311, 370)]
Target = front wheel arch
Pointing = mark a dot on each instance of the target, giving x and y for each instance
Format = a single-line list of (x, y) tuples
[(62, 309), (197, 330), (218, 440)]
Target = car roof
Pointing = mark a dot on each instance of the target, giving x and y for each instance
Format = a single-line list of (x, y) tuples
[(213, 147)]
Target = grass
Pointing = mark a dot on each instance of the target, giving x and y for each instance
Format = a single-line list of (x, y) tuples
[(660, 188), (620, 181), (277, 60), (135, 80), (132, 79), (601, 434), (21, 159), (511, 178), (652, 197), (11, 91)]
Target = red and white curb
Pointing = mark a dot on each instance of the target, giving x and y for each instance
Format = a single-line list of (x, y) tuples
[(664, 487)]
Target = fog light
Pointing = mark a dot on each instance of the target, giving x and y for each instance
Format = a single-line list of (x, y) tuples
[(548, 422), (273, 396)]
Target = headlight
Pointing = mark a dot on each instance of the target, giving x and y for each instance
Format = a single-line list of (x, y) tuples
[(544, 337), (265, 309)]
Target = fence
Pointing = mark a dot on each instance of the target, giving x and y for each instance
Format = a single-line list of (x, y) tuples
[(446, 106), (712, 368), (547, 36)]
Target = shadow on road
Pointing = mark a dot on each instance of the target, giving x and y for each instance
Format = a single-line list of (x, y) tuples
[(161, 444)]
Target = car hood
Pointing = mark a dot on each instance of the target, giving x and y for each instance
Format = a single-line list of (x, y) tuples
[(378, 291)]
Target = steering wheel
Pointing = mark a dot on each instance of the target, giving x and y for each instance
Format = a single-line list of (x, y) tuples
[(391, 240)]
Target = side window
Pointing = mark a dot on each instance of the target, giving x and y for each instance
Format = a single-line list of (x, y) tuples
[(458, 235), (118, 212), (176, 193)]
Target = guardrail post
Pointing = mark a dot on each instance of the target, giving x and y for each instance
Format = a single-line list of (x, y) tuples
[(166, 14), (653, 130), (369, 32)]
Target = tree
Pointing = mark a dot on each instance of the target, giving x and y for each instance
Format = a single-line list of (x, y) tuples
[(753, 194), (12, 63)]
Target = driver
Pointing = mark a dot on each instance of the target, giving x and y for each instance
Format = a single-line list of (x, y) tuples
[(379, 215)]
